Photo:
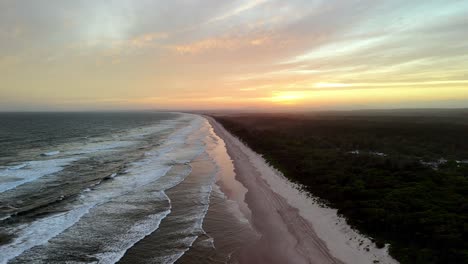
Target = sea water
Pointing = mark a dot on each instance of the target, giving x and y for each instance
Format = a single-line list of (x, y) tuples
[(109, 187)]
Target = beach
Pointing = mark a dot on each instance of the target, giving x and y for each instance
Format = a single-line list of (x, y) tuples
[(292, 227)]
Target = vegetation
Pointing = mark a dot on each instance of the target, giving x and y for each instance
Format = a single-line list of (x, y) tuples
[(385, 191)]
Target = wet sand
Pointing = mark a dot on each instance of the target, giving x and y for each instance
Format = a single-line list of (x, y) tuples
[(286, 237), (225, 233), (226, 223)]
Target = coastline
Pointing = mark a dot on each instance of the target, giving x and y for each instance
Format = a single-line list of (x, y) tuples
[(293, 227), (213, 200)]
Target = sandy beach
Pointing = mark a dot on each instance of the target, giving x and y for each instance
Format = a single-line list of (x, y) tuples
[(292, 228)]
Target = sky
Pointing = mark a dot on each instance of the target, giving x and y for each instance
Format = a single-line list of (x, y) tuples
[(236, 54)]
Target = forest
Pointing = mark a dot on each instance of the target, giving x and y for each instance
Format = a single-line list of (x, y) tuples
[(400, 178)]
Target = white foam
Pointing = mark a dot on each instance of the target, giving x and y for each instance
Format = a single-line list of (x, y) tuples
[(225, 175), (40, 231), (102, 146), (139, 174), (165, 154), (17, 167), (168, 259), (15, 175), (51, 153), (209, 243), (29, 171), (199, 219), (139, 231)]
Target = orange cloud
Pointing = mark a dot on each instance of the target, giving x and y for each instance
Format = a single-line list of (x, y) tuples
[(147, 39), (221, 43)]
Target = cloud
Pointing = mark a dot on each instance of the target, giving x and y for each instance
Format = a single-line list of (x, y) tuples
[(332, 85), (225, 43), (147, 39), (247, 5), (233, 51)]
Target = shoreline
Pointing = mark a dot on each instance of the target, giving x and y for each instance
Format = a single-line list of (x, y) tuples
[(293, 228)]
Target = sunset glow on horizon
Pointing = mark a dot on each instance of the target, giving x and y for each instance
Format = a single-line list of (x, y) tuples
[(259, 54)]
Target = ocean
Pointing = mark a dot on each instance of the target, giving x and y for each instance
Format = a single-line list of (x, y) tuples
[(116, 187)]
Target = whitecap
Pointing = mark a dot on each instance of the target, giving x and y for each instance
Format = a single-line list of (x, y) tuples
[(15, 176), (51, 153), (138, 175)]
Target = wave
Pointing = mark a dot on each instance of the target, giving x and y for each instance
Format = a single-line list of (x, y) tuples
[(124, 201), (17, 167), (29, 171), (51, 153), (39, 232), (136, 233), (190, 202), (99, 147), (42, 230)]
